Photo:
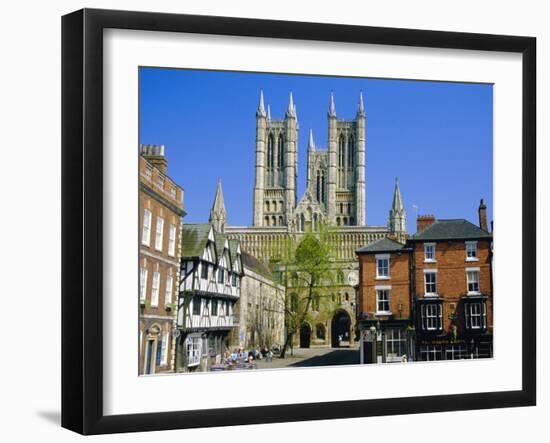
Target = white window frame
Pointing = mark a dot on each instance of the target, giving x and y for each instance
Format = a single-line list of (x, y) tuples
[(456, 352), (380, 257), (431, 351), (481, 315), (426, 259), (380, 289), (155, 289), (472, 271), (168, 290), (143, 284), (172, 241), (164, 348), (395, 337), (146, 230), (432, 316), (473, 257), (426, 272), (159, 233), (193, 347)]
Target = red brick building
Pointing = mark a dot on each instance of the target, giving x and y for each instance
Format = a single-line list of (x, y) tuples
[(160, 217), (431, 297), (384, 305)]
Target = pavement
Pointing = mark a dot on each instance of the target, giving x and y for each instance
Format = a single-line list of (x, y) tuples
[(310, 357)]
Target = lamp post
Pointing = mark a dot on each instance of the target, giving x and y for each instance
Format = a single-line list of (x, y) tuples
[(374, 337)]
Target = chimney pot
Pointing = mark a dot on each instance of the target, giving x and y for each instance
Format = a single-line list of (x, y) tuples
[(423, 221), (482, 212)]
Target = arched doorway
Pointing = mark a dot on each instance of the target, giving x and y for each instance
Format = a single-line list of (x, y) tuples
[(305, 335), (340, 327)]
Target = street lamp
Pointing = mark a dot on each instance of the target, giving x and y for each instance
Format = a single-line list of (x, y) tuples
[(374, 336)]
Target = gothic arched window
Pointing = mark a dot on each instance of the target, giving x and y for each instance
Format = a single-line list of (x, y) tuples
[(323, 197), (274, 219), (351, 152), (270, 148), (341, 147), (341, 160), (267, 206), (266, 220), (280, 152), (318, 186), (280, 220), (270, 160)]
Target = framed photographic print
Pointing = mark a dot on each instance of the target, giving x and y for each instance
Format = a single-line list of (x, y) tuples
[(270, 221)]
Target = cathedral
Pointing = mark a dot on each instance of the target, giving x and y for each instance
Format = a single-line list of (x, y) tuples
[(335, 195)]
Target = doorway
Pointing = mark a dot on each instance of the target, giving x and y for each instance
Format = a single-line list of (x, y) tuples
[(340, 326), (305, 335)]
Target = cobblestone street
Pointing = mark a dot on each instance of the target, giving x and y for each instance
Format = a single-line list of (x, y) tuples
[(313, 357)]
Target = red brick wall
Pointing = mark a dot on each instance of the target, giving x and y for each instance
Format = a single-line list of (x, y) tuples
[(160, 198), (399, 282), (451, 267)]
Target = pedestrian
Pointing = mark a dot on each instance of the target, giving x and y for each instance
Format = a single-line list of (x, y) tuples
[(269, 356)]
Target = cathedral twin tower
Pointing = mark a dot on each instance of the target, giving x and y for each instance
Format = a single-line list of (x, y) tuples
[(335, 191)]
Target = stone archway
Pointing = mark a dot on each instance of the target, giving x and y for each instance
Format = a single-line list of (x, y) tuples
[(340, 329), (305, 335)]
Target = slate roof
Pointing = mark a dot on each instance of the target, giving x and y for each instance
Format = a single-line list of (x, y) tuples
[(383, 245), (256, 265), (452, 229), (233, 244), (193, 239), (220, 243)]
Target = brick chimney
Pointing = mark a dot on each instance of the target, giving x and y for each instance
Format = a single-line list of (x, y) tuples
[(482, 211), (423, 221), (154, 154)]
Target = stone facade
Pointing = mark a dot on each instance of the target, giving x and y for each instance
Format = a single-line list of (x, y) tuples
[(335, 195), (335, 191), (260, 307), (161, 212)]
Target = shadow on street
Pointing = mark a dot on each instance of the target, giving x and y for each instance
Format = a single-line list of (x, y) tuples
[(336, 357)]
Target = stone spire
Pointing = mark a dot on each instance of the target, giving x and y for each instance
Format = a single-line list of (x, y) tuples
[(218, 215), (311, 144), (397, 204), (268, 112), (261, 109), (397, 221), (291, 111), (361, 107), (332, 107)]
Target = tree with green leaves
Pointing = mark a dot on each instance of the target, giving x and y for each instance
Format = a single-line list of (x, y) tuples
[(306, 266)]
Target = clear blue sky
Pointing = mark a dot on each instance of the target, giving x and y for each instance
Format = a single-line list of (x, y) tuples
[(436, 137)]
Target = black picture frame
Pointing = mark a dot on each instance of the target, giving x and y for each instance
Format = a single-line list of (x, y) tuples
[(82, 216)]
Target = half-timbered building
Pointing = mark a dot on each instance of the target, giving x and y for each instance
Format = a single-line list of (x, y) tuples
[(210, 285)]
